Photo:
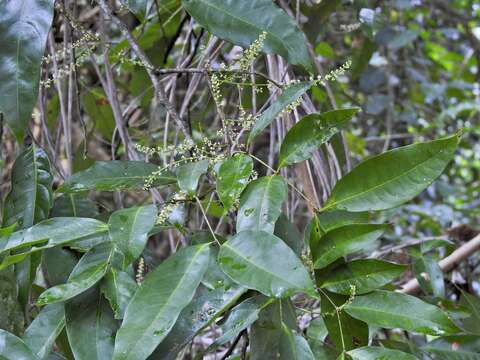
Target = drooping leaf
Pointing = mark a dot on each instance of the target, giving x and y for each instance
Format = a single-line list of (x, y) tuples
[(232, 178), (119, 288), (129, 228), (260, 204), (460, 347), (392, 178), (310, 132), (429, 275), (24, 27), (13, 348), (99, 110), (288, 232), (345, 240), (90, 326), (189, 174), (262, 261), (288, 96), (90, 269), (363, 275), (378, 353), (154, 309), (389, 310), (44, 330), (200, 313), (242, 22), (343, 330), (115, 175)]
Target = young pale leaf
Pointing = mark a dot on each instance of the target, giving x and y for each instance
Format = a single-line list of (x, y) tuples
[(30, 199), (13, 348), (395, 310), (232, 178), (377, 352), (363, 275), (189, 174), (262, 261), (460, 347), (310, 132), (118, 288), (128, 229), (90, 269), (115, 175), (345, 240), (44, 330), (260, 204), (24, 26), (207, 306), (90, 326), (157, 304), (392, 178), (242, 22), (288, 96)]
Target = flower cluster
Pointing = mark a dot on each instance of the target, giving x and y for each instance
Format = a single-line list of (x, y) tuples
[(350, 27)]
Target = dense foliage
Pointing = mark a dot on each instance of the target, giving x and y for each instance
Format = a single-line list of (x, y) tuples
[(239, 179)]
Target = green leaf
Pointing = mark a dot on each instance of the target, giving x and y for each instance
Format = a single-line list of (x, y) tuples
[(11, 316), (115, 175), (200, 313), (294, 346), (232, 178), (330, 220), (119, 288), (262, 261), (364, 275), (242, 22), (389, 310), (13, 348), (74, 205), (41, 334), (128, 229), (345, 240), (90, 269), (189, 174), (392, 178), (461, 347), (97, 106), (157, 304), (288, 232), (310, 132), (90, 326), (260, 204), (57, 264), (24, 27), (429, 275), (378, 353), (343, 330), (138, 7), (30, 199), (288, 96), (472, 303)]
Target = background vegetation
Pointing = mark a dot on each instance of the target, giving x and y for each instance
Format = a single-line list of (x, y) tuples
[(239, 179)]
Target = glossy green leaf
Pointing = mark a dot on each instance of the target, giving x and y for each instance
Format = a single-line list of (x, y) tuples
[(343, 330), (260, 204), (262, 261), (115, 175), (13, 348), (90, 327), (429, 275), (207, 306), (90, 269), (189, 174), (154, 309), (378, 353), (74, 205), (289, 95), (129, 228), (310, 132), (345, 240), (361, 275), (232, 178), (41, 334), (392, 178), (24, 27), (461, 347), (119, 288), (242, 22), (389, 310)]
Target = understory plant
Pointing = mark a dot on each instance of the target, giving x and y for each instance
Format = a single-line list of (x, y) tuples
[(183, 241)]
